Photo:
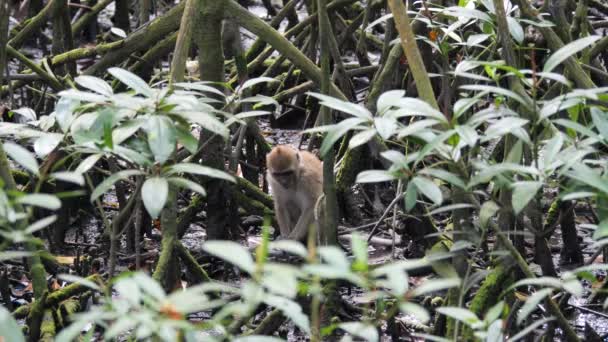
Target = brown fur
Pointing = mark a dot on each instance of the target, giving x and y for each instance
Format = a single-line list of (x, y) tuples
[(296, 191)]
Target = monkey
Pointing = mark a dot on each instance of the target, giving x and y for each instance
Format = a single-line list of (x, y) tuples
[(296, 183)]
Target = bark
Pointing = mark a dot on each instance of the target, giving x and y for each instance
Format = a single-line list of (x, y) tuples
[(121, 15), (581, 79), (184, 38), (257, 26), (4, 15), (415, 62), (329, 233), (140, 40), (167, 270), (89, 16), (552, 306), (33, 25), (211, 65), (571, 254)]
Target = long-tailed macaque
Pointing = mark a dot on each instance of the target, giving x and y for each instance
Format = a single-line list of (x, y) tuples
[(296, 183)]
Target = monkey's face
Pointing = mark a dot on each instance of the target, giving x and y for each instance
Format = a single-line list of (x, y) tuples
[(286, 178)]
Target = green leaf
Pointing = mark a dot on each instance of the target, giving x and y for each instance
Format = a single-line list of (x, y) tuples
[(84, 96), (517, 32), (88, 163), (154, 194), (444, 175), (289, 246), (132, 81), (503, 127), (107, 183), (9, 255), (537, 324), (64, 112), (409, 106), (601, 231), (577, 127), (95, 84), (126, 130), (411, 196), (551, 150), (121, 325), (336, 132), (9, 329), (553, 76), (335, 257), (362, 330), (252, 82), (418, 311), (375, 176), (553, 282), (487, 172), (385, 126), (184, 137), (459, 314), (497, 90), (488, 209), (428, 188), (468, 134), (416, 127), (361, 138), (207, 121), (389, 99), (21, 156), (523, 193), (40, 224), (281, 279), (434, 143), (47, 143), (187, 184), (27, 113), (531, 303), (80, 280), (199, 170), (359, 249), (476, 39), (46, 201), (450, 207), (290, 309), (343, 106), (495, 312), (467, 13), (494, 333), (201, 87), (568, 51), (395, 157), (70, 177), (260, 100), (431, 286), (252, 114), (161, 137), (149, 286), (586, 175), (600, 120), (232, 252)]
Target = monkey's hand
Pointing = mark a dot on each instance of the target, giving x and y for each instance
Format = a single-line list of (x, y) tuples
[(300, 232)]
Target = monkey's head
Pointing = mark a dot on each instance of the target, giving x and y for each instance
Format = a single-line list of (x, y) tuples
[(283, 165)]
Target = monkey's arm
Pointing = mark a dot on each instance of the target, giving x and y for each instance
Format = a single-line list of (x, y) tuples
[(300, 232), (283, 219)]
